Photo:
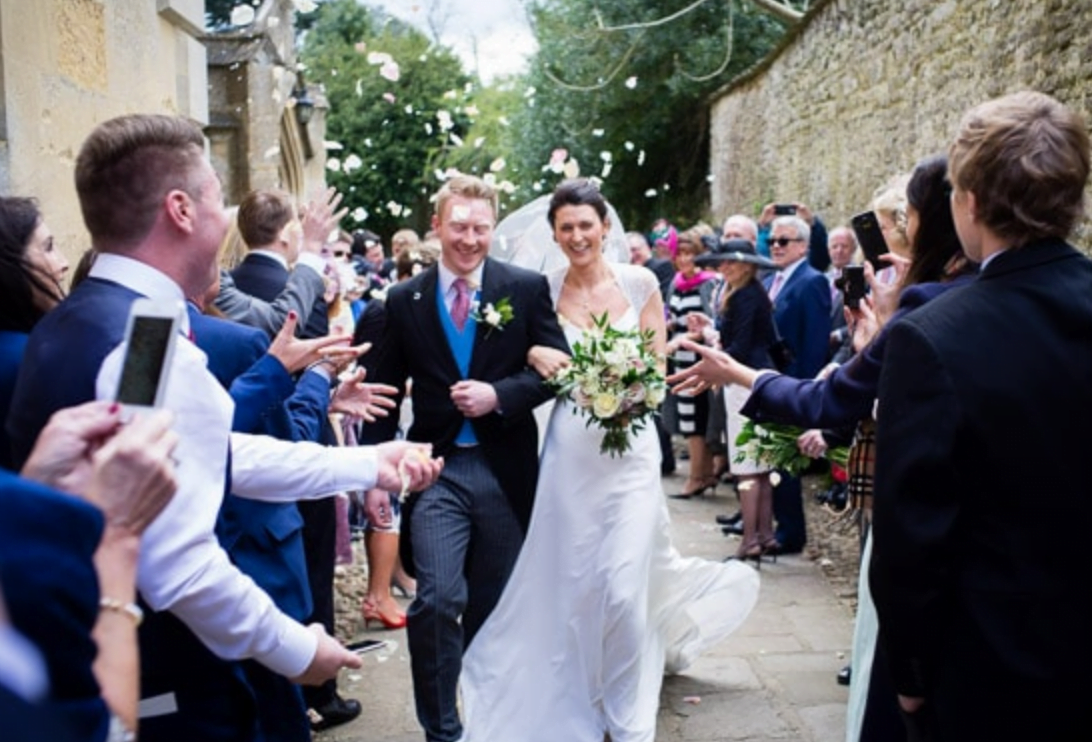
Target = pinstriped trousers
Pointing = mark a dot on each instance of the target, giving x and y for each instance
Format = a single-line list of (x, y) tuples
[(465, 542)]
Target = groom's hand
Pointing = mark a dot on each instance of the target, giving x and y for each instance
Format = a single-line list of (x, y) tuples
[(474, 398)]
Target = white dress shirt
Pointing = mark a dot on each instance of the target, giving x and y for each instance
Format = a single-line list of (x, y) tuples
[(447, 287), (182, 566)]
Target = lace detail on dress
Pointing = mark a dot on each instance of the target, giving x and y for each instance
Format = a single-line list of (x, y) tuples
[(637, 283)]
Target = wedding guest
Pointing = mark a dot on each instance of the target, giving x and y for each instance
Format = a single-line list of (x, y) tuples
[(31, 274), (691, 293), (981, 604), (153, 207), (745, 324), (70, 540)]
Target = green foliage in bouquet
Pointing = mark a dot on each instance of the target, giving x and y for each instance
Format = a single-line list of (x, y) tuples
[(774, 445), (614, 380)]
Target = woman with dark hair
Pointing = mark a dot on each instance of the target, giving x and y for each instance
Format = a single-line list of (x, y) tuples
[(599, 602), (31, 271), (847, 396)]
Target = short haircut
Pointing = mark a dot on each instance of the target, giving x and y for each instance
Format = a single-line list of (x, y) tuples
[(362, 240), (466, 186), (798, 225), (263, 215), (404, 238), (638, 236), (577, 192), (126, 167), (1025, 157), (750, 223)]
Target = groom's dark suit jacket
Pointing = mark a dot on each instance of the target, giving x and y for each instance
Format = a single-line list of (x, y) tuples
[(982, 485), (414, 346)]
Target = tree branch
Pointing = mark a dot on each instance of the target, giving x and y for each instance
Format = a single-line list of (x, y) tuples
[(781, 10)]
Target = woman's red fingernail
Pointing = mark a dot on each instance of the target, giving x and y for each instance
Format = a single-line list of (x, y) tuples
[(114, 407)]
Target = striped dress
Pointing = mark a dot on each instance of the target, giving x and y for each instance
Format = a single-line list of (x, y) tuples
[(692, 412)]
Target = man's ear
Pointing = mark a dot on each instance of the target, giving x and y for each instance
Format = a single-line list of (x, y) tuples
[(180, 210), (435, 222)]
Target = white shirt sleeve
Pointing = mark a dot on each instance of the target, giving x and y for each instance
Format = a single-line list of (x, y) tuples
[(182, 566), (271, 470)]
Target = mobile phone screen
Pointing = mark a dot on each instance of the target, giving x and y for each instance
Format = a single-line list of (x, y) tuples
[(143, 367)]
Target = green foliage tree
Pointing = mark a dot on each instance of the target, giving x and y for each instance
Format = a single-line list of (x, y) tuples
[(394, 135), (630, 104)]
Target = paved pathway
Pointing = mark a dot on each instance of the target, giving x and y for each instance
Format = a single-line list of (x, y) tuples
[(771, 680)]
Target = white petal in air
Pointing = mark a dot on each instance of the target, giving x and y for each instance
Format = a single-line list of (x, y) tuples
[(242, 15), (631, 82)]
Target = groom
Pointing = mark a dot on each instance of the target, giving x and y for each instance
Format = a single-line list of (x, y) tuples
[(461, 331)]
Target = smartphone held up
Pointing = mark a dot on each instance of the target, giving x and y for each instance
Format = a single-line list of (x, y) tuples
[(870, 237), (150, 339)]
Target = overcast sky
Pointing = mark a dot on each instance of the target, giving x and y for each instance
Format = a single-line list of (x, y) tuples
[(499, 28)]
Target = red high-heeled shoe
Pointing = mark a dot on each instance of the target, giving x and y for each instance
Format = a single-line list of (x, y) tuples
[(371, 612)]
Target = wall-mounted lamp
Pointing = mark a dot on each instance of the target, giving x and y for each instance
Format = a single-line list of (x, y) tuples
[(305, 107)]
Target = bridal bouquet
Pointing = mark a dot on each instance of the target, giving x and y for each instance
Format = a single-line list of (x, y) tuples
[(614, 380), (775, 446)]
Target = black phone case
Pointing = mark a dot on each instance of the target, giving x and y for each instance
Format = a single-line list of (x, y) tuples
[(870, 238)]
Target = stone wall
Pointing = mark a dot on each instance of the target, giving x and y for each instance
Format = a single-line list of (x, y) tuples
[(862, 89), (66, 65)]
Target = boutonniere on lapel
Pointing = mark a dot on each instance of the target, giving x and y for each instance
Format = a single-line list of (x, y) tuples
[(495, 316)]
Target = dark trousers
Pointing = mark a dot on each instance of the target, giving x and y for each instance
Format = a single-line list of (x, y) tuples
[(282, 717), (319, 545), (466, 538), (788, 508)]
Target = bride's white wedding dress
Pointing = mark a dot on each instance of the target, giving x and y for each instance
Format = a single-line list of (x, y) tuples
[(600, 604)]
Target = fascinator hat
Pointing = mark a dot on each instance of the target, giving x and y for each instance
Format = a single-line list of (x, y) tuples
[(524, 238), (666, 236), (722, 251)]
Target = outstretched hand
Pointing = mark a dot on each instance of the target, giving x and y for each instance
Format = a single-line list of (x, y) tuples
[(715, 368), (365, 401), (296, 354), (319, 217), (406, 466)]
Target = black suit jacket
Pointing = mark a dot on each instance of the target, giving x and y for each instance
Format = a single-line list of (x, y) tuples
[(982, 488), (413, 345)]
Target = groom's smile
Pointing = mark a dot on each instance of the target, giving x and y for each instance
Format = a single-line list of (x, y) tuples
[(465, 228)]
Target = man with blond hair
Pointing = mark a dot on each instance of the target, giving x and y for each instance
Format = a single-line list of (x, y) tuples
[(473, 396)]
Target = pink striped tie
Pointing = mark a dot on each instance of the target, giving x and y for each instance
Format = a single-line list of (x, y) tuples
[(460, 308)]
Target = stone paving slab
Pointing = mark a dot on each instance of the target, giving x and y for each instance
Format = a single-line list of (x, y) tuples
[(771, 681)]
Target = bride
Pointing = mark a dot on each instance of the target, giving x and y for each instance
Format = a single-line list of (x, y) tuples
[(600, 604)]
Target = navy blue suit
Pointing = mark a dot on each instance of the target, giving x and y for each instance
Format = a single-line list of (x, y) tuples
[(265, 540), (265, 277), (51, 590), (848, 393), (12, 346), (59, 369), (802, 315)]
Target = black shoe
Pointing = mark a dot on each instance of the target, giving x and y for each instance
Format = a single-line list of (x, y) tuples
[(785, 549), (844, 674), (735, 528), (338, 711), (729, 520)]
